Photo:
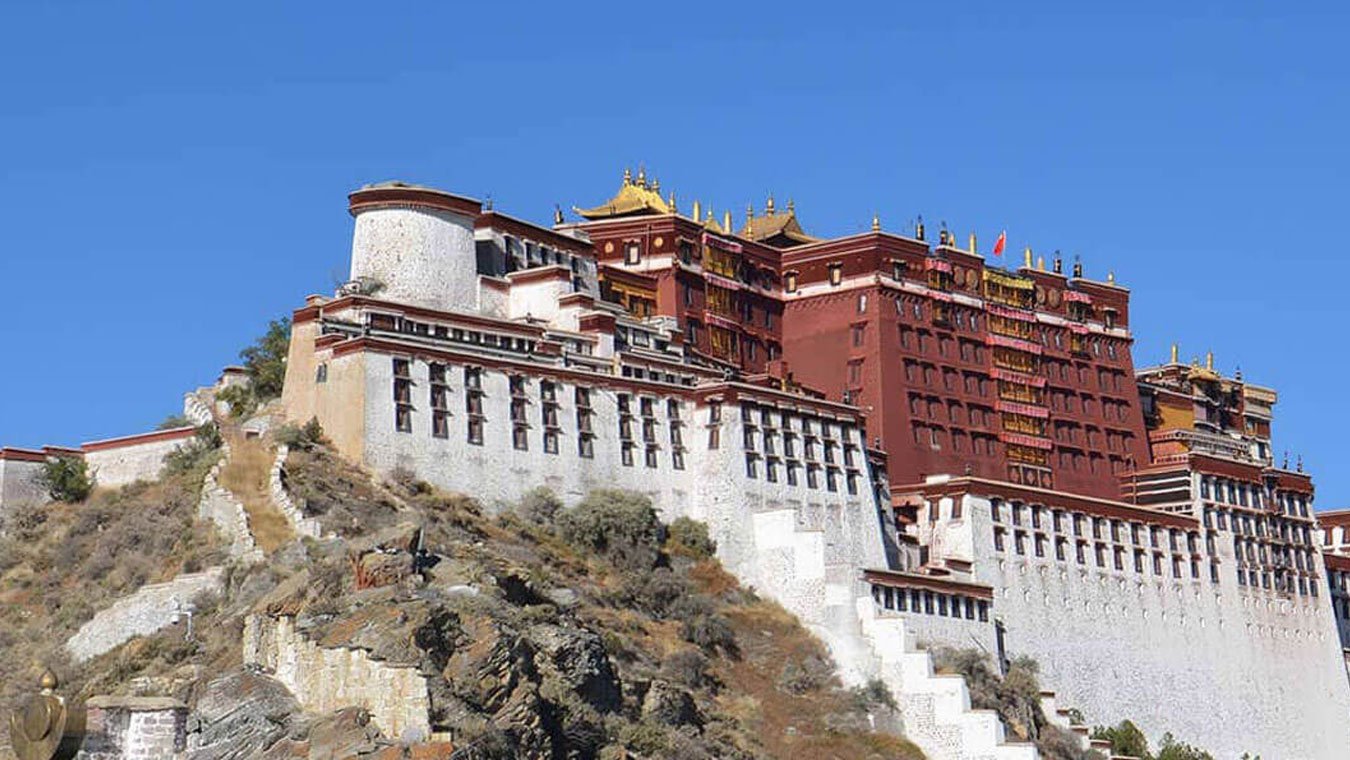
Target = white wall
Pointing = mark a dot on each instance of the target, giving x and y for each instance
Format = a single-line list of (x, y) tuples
[(18, 483), (1227, 668), (136, 461)]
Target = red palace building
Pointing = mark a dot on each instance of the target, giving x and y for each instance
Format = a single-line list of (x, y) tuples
[(962, 366)]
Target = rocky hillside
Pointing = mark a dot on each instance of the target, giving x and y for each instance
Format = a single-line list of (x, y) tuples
[(539, 631)]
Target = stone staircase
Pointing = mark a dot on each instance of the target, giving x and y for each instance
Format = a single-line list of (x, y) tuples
[(791, 563), (935, 708), (223, 508)]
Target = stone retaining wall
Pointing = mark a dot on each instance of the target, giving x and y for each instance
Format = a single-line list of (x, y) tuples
[(225, 510), (281, 498), (324, 680), (148, 610)]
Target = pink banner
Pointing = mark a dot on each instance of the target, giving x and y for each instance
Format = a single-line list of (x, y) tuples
[(994, 339), (1034, 381)]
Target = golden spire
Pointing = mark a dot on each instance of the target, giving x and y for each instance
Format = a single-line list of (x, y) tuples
[(710, 221), (1209, 360), (973, 248), (726, 221), (642, 175), (1175, 353), (792, 208), (557, 214), (1111, 277), (671, 203), (627, 176), (1040, 263), (656, 185), (1026, 256), (698, 210), (876, 222), (768, 206), (749, 212)]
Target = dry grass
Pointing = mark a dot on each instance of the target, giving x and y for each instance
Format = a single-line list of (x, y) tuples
[(246, 474)]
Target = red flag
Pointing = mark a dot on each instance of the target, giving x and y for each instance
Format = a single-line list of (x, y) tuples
[(998, 244)]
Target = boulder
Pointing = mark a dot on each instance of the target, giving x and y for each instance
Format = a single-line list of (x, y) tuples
[(238, 716), (576, 657), (670, 705)]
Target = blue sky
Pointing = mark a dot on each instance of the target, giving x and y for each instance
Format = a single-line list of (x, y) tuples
[(173, 175)]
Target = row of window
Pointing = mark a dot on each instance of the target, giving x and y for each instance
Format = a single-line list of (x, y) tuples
[(1077, 524), (392, 323), (925, 602), (1260, 525), (1104, 555), (937, 437)]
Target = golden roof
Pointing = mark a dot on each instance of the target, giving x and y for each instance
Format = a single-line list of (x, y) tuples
[(633, 199), (778, 229)]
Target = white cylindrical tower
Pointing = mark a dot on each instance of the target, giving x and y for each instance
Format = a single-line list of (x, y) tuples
[(417, 244)]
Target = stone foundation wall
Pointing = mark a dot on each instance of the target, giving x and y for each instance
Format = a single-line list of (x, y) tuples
[(150, 609), (324, 680), (134, 728)]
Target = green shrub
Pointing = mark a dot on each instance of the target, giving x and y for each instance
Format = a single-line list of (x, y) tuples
[(619, 525), (712, 632), (240, 399), (872, 694), (811, 674), (305, 436), (174, 421), (690, 537), (1125, 738), (66, 479), (539, 506), (193, 457)]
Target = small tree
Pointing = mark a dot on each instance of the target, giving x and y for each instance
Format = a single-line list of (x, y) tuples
[(67, 479), (265, 360), (1126, 739)]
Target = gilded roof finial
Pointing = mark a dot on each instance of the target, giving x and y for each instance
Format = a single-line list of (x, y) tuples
[(627, 176), (671, 203), (1026, 257), (656, 185), (710, 221), (876, 222), (698, 210), (726, 221), (1111, 277), (749, 212), (1176, 350), (557, 214), (768, 205), (1040, 263), (973, 247), (642, 175), (1209, 360)]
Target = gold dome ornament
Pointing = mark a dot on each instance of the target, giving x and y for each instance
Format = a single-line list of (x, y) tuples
[(37, 726)]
